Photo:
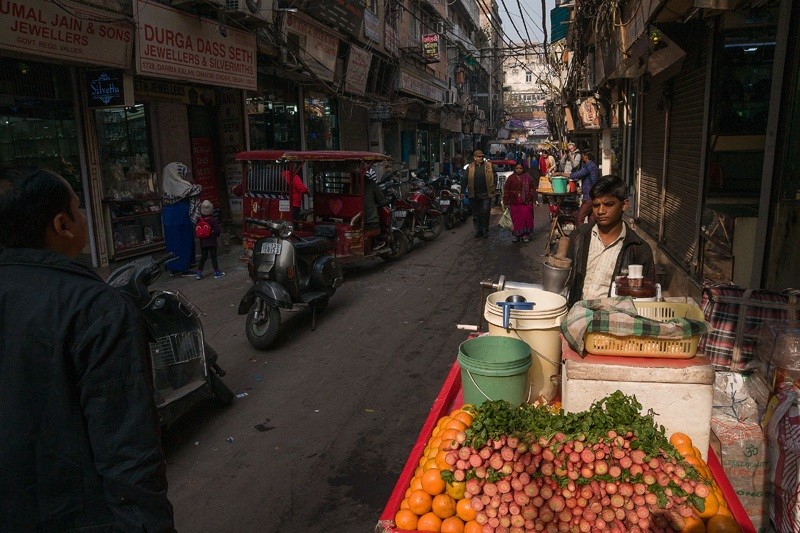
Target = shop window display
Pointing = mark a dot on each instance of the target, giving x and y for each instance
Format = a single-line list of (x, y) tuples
[(322, 127), (129, 185)]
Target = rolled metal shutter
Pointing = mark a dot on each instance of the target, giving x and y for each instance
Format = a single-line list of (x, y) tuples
[(684, 159), (353, 127), (651, 158)]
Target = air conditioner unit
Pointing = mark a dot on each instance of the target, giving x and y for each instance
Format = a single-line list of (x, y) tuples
[(289, 60), (261, 11)]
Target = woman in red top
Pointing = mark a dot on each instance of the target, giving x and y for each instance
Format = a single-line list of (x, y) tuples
[(519, 194), (297, 189)]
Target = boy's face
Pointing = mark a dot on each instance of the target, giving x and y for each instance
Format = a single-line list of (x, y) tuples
[(607, 211)]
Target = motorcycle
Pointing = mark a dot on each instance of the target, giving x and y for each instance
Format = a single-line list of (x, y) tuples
[(184, 366), (412, 212), (289, 275)]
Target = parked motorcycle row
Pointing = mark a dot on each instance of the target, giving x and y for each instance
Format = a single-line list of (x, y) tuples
[(294, 265)]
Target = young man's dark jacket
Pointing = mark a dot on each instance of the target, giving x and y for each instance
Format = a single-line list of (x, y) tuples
[(78, 427), (635, 251)]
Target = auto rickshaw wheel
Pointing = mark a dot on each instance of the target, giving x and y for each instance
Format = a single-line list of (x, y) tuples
[(262, 334)]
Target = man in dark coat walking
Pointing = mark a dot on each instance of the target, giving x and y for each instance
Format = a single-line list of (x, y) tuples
[(78, 424)]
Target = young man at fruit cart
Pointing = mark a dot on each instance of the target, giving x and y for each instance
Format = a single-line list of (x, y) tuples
[(481, 189), (603, 249), (78, 422)]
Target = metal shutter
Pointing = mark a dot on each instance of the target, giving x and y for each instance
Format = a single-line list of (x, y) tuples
[(684, 160), (651, 158), (353, 127)]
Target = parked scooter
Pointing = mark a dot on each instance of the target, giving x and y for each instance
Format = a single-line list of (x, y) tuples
[(413, 212), (286, 274), (185, 369)]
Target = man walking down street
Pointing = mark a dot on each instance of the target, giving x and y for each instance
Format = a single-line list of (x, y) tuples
[(481, 188), (588, 174), (78, 421)]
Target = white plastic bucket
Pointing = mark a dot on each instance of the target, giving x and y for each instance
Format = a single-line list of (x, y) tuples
[(540, 328)]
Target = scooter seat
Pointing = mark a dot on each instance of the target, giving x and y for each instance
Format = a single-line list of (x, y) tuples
[(312, 245)]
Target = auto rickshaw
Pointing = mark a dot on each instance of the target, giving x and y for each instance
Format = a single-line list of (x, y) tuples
[(336, 181)]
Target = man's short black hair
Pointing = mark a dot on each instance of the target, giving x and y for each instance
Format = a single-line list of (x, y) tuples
[(609, 185), (29, 200), (589, 155)]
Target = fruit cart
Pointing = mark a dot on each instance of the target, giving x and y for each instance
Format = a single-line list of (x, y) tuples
[(450, 397)]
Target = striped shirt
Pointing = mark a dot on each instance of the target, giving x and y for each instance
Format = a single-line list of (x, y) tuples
[(600, 265)]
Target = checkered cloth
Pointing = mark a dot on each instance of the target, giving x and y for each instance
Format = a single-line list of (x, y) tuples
[(618, 316), (734, 315)]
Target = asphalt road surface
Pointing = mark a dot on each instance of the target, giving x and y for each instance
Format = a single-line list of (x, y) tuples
[(330, 415)]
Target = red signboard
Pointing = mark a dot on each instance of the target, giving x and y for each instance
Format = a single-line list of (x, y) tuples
[(204, 169)]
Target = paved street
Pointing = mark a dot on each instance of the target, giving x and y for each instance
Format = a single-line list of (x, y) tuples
[(330, 415)]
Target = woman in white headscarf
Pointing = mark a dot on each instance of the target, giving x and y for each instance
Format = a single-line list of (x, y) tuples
[(180, 213)]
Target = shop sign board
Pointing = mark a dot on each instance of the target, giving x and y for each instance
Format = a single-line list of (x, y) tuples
[(419, 87), (430, 47), (176, 93), (345, 15), (231, 131), (318, 47), (390, 41), (66, 31), (358, 61), (175, 45), (204, 169), (109, 88), (372, 26)]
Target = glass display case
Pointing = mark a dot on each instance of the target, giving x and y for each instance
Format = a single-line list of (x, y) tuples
[(133, 205)]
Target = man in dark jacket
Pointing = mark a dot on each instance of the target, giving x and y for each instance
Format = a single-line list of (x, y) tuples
[(481, 187), (78, 424), (603, 249)]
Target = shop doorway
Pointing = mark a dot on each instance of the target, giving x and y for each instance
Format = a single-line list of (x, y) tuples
[(203, 141)]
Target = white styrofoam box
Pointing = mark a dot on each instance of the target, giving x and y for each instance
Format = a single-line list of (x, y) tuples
[(679, 391)]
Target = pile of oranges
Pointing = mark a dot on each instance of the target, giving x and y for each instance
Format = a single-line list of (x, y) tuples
[(716, 517), (430, 503)]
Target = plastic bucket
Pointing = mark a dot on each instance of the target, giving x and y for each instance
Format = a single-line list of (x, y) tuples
[(559, 184), (539, 328), (494, 368)]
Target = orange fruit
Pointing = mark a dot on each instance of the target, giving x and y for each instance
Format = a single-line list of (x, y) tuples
[(435, 442), (404, 503), (429, 522), (465, 511), (441, 463), (678, 439), (712, 506), (452, 524), (463, 417), (443, 505), (456, 424), (456, 489), (442, 421), (416, 483), (473, 527), (685, 449), (405, 519), (420, 469), (697, 453), (693, 524), (430, 463), (432, 482), (722, 524), (448, 436), (419, 502)]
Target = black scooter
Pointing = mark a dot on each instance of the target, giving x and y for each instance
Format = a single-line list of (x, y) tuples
[(184, 366), (287, 273)]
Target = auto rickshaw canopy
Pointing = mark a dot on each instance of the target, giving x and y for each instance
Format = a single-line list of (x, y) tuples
[(311, 155)]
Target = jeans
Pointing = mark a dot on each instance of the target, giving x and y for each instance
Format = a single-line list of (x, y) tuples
[(481, 210), (204, 254)]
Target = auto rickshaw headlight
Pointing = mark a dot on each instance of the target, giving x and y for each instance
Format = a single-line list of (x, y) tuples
[(286, 230)]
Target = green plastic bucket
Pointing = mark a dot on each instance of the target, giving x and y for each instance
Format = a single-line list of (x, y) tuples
[(559, 184), (494, 368)]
